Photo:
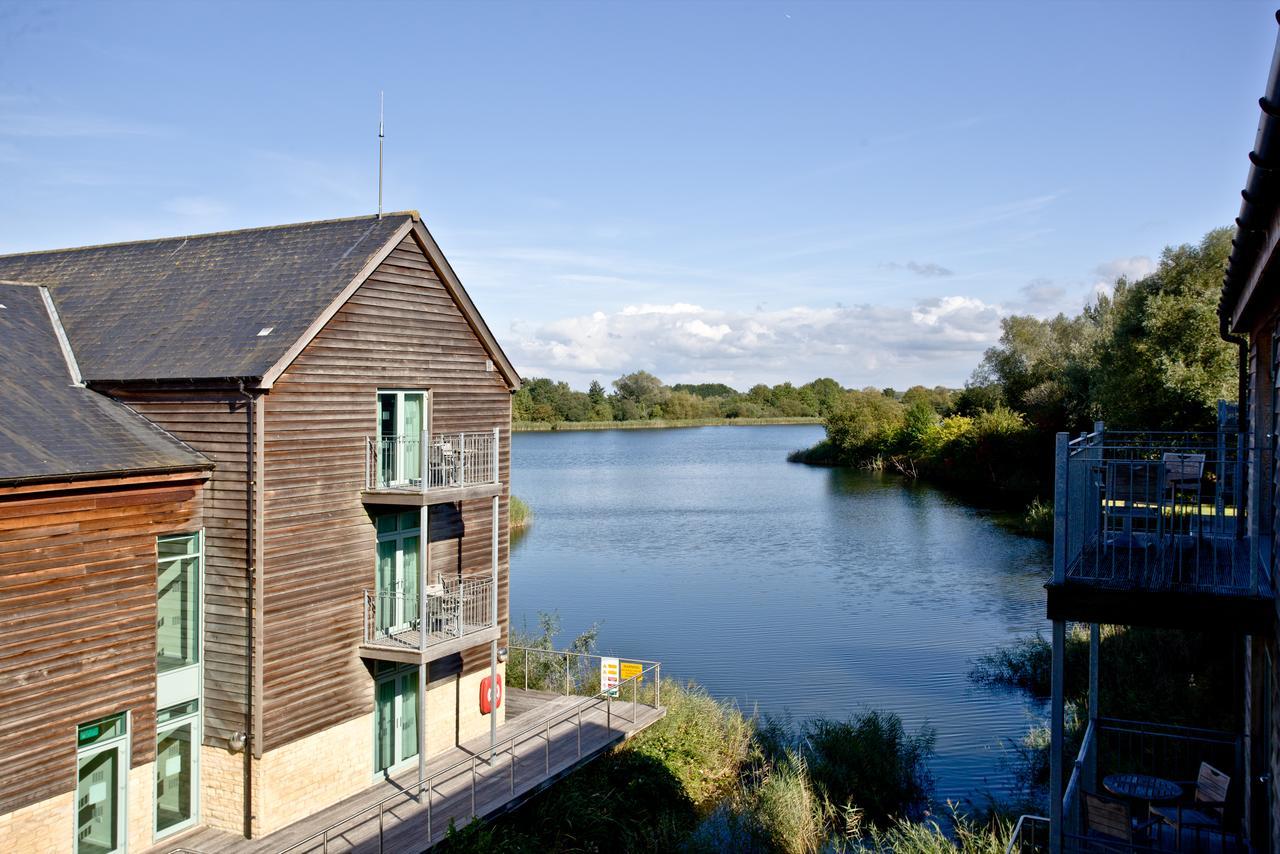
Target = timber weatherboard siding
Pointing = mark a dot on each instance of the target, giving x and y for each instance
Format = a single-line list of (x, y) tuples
[(215, 422), (400, 329), (78, 620)]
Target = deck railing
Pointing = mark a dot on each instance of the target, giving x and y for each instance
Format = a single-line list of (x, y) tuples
[(451, 460), (479, 768), (1114, 746), (569, 672), (455, 608), (1155, 511)]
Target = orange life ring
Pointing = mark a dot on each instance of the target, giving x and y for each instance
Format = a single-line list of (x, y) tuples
[(490, 699)]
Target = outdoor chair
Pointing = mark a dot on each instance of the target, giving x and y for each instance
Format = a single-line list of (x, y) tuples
[(1182, 477), (1204, 810), (1108, 820)]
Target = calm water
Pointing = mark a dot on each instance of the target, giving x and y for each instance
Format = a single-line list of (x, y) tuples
[(791, 589)]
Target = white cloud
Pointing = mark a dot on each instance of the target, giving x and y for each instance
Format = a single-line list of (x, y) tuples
[(937, 340), (1106, 273)]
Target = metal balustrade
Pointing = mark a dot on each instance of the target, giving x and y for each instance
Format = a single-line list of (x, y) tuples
[(451, 460), (1155, 511), (455, 608), (1111, 746)]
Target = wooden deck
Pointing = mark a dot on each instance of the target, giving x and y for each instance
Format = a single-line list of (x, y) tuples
[(552, 735)]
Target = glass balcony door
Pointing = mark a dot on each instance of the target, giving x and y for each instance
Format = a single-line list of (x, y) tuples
[(401, 418), (395, 720), (399, 542)]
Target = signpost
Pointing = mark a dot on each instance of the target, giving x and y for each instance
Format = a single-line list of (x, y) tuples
[(609, 678)]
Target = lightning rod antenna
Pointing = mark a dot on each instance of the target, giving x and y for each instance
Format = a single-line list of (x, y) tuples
[(380, 137)]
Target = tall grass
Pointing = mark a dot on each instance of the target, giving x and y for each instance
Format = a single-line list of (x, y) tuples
[(519, 514)]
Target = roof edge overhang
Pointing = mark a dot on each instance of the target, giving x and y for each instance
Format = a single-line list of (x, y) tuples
[(111, 478), (1258, 225)]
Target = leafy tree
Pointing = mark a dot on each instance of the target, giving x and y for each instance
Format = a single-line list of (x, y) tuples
[(596, 393), (642, 389), (1160, 362)]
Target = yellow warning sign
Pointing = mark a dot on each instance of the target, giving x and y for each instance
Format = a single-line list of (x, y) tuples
[(631, 669)]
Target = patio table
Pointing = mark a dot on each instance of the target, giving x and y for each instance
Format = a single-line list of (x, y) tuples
[(1142, 787)]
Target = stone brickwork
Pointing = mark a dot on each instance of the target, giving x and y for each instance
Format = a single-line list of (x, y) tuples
[(442, 715), (45, 826), (141, 811), (309, 774), (222, 789)]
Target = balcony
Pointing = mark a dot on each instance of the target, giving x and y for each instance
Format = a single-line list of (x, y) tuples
[(455, 466), (1150, 527), (459, 614), (1176, 754)]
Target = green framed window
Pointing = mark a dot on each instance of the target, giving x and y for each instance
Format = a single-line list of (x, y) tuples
[(178, 564)]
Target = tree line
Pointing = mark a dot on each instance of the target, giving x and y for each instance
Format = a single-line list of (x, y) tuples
[(641, 396), (1146, 355)]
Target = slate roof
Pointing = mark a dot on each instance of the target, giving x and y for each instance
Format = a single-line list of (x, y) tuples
[(192, 307), (51, 428)]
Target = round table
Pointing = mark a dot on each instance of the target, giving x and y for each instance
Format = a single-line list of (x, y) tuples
[(1142, 787)]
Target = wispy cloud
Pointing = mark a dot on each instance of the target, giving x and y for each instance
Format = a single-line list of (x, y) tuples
[(73, 126), (196, 207), (927, 269)]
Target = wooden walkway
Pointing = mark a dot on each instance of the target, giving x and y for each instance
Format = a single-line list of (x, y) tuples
[(546, 737)]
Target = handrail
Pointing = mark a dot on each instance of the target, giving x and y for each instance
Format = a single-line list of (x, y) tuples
[(1016, 845), (1073, 782), (507, 744)]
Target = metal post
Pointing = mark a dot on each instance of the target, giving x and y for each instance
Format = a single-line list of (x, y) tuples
[(608, 712), (1060, 507), (1057, 720), (428, 813), (424, 469), (635, 698), (547, 735), (380, 831), (526, 670), (579, 732), (512, 751), (493, 697), (424, 669), (657, 685), (497, 443), (473, 785), (1095, 705), (566, 674)]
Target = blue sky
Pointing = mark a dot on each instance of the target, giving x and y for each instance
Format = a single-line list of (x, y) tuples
[(710, 191)]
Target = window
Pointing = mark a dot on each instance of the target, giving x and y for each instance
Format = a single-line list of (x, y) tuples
[(102, 763), (178, 601), (177, 758)]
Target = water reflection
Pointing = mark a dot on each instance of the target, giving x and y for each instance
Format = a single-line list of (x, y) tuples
[(789, 588)]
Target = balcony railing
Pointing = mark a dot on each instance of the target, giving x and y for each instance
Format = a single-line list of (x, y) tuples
[(1155, 511), (451, 460), (1173, 753), (454, 609)]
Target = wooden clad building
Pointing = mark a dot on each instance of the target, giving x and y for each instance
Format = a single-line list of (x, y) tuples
[(345, 415)]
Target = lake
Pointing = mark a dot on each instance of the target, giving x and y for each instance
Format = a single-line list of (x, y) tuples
[(791, 589)]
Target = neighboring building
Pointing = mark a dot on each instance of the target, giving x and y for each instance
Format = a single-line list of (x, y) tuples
[(253, 527), (1178, 530)]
